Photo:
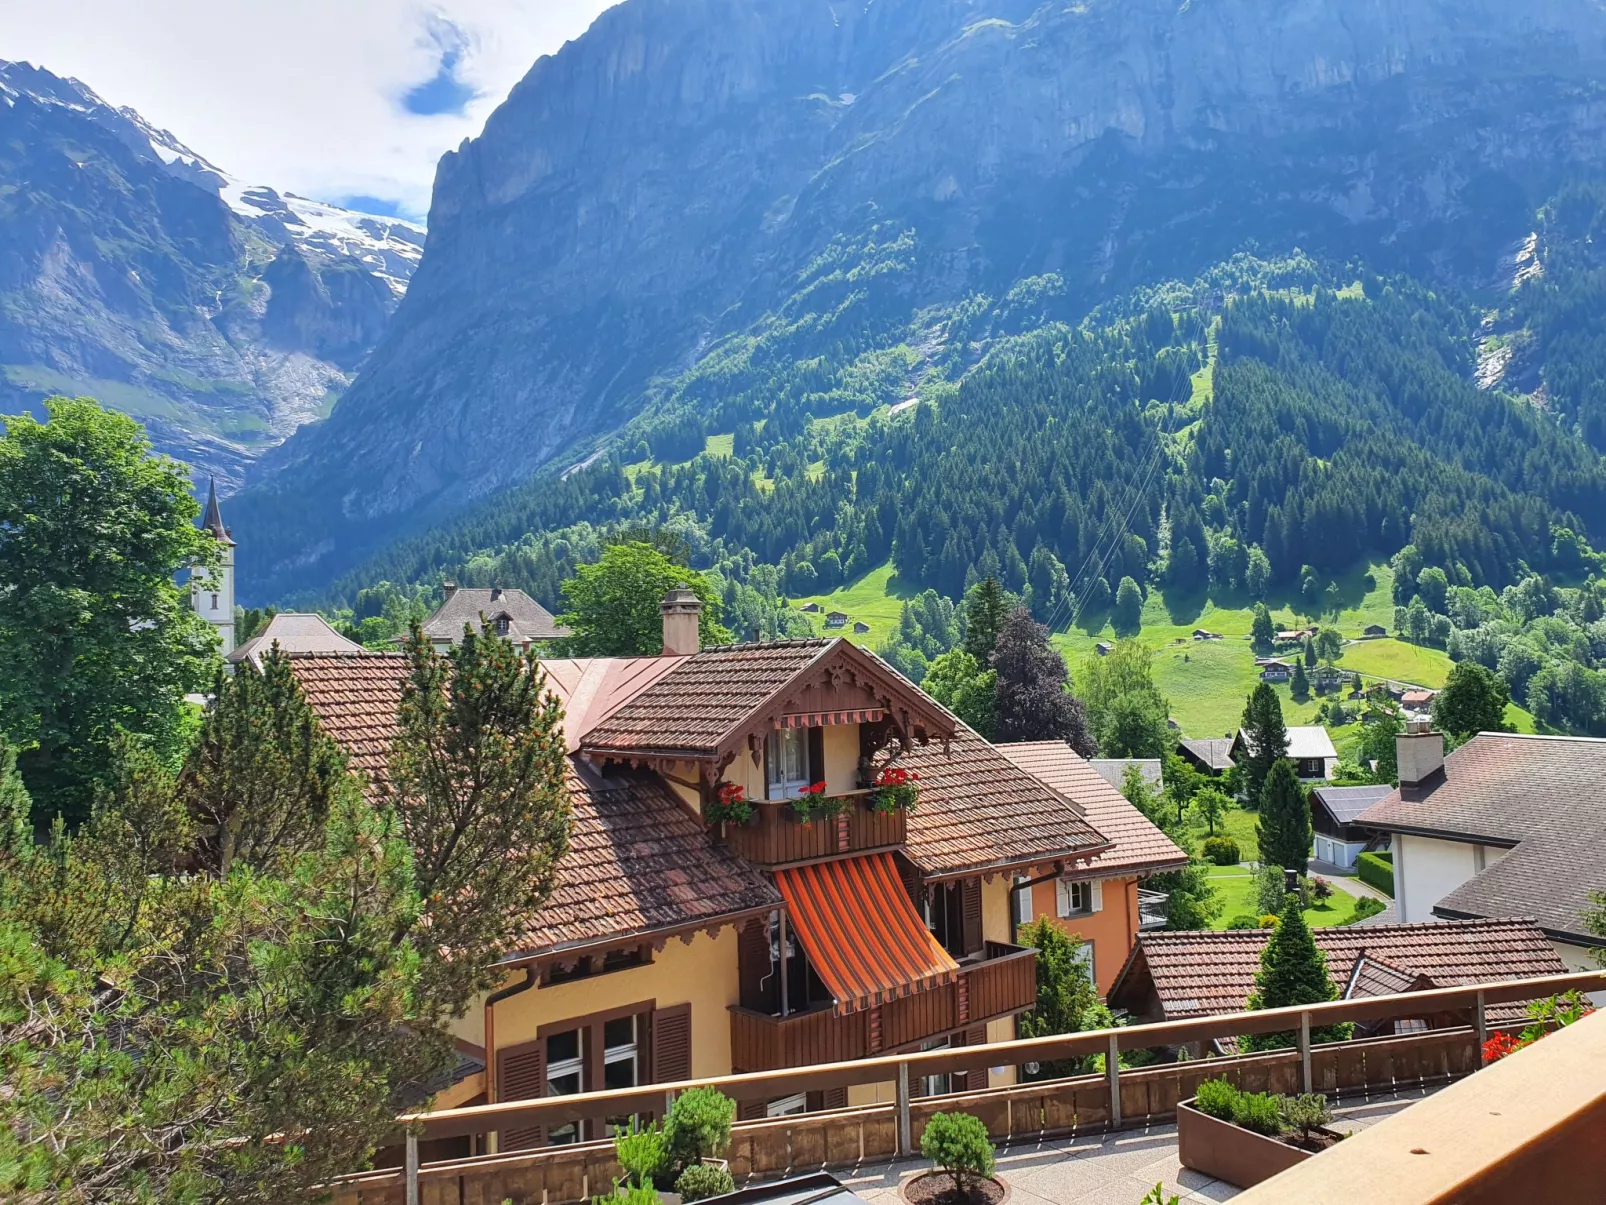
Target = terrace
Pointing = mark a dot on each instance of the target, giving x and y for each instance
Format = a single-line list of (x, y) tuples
[(1097, 1124)]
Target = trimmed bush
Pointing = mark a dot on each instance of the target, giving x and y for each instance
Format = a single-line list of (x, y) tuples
[(1217, 1098), (1223, 851), (1260, 1112), (957, 1143), (1244, 921), (703, 1180), (698, 1126), (1365, 906), (1376, 869)]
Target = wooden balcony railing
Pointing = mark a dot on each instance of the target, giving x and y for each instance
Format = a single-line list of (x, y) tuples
[(1001, 983), (775, 837)]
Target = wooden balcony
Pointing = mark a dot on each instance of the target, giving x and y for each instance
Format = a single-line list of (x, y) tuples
[(775, 837), (1002, 982)]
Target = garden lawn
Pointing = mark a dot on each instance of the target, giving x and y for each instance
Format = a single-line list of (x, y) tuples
[(1235, 889)]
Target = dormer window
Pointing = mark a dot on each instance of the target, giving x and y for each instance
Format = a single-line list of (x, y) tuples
[(786, 759), (502, 625)]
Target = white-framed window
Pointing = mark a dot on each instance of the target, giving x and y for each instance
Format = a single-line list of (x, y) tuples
[(565, 1076), (1023, 905), (786, 760), (1079, 898), (1084, 955), (620, 1045), (787, 1106), (937, 1085)]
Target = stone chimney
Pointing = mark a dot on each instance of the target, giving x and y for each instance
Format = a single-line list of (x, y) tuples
[(447, 590), (496, 593), (1419, 750), (681, 609)]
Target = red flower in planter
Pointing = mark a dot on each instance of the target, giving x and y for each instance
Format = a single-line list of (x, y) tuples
[(1502, 1044)]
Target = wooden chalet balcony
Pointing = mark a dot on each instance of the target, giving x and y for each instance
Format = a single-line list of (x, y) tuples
[(775, 837), (1002, 982)]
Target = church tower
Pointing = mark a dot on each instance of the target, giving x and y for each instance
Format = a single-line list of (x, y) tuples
[(212, 595)]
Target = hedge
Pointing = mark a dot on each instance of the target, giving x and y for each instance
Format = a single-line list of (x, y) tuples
[(1376, 869)]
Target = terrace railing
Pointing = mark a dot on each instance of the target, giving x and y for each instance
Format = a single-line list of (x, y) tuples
[(775, 837)]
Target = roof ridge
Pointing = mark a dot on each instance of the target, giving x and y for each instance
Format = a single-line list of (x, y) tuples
[(350, 654), (1536, 736), (794, 643)]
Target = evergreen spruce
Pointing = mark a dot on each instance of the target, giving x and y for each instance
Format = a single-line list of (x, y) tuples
[(1267, 737), (985, 612), (1292, 971), (1262, 631), (1299, 687), (1284, 829)]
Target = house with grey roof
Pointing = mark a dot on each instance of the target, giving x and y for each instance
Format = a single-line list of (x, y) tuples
[(1507, 825), (1333, 815), (1212, 755), (1309, 748), (512, 614), (294, 632)]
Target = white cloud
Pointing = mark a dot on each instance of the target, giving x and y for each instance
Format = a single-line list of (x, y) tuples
[(303, 95)]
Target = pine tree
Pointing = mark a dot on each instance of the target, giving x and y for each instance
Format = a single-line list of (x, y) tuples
[(1262, 631), (1034, 702), (985, 612), (16, 833), (1292, 971), (1266, 736), (1299, 687), (1284, 829)]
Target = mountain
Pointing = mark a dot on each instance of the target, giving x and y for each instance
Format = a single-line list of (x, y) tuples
[(627, 234), (224, 315)]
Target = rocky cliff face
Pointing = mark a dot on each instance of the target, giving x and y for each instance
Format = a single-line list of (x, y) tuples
[(664, 180), (131, 269)]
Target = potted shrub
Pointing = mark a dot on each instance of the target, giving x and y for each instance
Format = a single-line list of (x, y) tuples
[(963, 1163), (696, 1133), (643, 1153), (730, 805), (1246, 1137), (896, 790)]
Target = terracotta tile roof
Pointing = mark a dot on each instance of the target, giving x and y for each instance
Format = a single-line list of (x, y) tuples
[(638, 861), (531, 620), (1140, 847), (978, 810), (1541, 795), (1374, 976), (593, 688), (1214, 752), (1197, 973), (707, 695)]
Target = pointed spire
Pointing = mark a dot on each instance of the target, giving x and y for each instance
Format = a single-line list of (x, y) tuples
[(212, 520)]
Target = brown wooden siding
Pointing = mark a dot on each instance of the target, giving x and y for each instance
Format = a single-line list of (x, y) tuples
[(775, 838), (1001, 983)]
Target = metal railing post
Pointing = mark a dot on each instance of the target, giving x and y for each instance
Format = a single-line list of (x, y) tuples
[(905, 1128), (1112, 1072), (1480, 1025), (412, 1167), (1304, 1052)]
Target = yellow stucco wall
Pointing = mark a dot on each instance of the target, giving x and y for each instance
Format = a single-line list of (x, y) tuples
[(841, 745), (703, 973)]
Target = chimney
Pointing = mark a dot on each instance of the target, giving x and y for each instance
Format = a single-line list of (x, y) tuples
[(496, 593), (1419, 750), (680, 609), (448, 589)]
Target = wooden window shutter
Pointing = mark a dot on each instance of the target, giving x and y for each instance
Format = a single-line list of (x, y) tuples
[(972, 915), (1097, 903), (754, 970), (836, 1098), (967, 1081), (521, 1075), (750, 1110), (671, 1044), (910, 874), (816, 754)]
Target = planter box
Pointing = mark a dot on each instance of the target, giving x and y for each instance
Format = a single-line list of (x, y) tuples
[(1227, 1152)]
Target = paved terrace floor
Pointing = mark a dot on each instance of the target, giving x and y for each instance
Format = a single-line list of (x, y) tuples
[(1110, 1169)]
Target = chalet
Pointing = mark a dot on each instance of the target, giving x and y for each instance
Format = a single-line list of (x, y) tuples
[(1309, 748), (675, 946), (512, 614), (1295, 636), (836, 619), (1169, 976), (812, 608), (1203, 634), (1325, 678), (1418, 699), (1507, 825), (860, 627), (1373, 631), (1333, 815), (293, 632), (1272, 670), (1210, 756), (1104, 648), (1100, 900)]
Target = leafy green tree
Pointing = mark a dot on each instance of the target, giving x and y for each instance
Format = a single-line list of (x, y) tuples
[(1034, 702), (1257, 574), (1210, 805), (1380, 724), (16, 831), (1128, 617), (1292, 971), (1473, 700), (1134, 725), (1067, 998), (613, 604), (964, 688), (1284, 829), (1329, 644), (96, 634), (1145, 796), (1191, 899), (1266, 736), (986, 608), (1182, 782), (1433, 588), (1262, 631), (1125, 708)]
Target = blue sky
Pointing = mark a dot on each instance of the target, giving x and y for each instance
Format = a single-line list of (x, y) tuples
[(342, 100)]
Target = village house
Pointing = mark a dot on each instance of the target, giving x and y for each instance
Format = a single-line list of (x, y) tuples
[(1295, 636), (293, 632), (1373, 631), (512, 614), (1212, 755), (810, 608), (1333, 815), (676, 947), (860, 627), (836, 619), (1273, 669), (1104, 648), (1100, 901), (1507, 825), (1309, 748), (1170, 976)]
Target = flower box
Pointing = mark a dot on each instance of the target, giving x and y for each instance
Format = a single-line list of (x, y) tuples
[(1225, 1151)]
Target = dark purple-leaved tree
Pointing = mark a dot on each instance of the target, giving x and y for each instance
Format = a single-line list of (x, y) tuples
[(1034, 701)]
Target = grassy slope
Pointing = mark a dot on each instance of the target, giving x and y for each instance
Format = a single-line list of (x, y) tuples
[(876, 599)]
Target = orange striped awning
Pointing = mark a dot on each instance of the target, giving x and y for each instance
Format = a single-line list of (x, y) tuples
[(863, 936)]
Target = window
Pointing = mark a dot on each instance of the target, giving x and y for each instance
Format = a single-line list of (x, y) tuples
[(936, 1085), (1075, 898), (787, 1106), (786, 758), (620, 1063), (565, 1076), (1084, 955), (501, 625), (214, 602)]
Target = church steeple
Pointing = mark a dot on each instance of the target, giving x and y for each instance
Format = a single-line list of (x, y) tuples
[(212, 594)]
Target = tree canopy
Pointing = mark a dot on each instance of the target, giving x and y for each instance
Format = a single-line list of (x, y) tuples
[(1292, 971), (1034, 702), (613, 603), (1473, 700), (1284, 828)]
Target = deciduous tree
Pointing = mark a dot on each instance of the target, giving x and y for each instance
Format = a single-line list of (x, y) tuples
[(613, 604), (964, 688), (1034, 699), (1473, 700)]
